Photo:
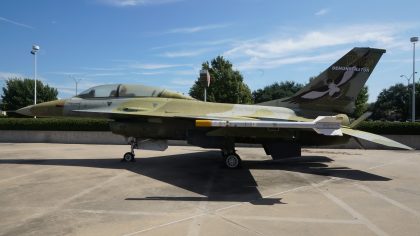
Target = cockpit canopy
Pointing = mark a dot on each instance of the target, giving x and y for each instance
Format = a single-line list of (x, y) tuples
[(128, 91)]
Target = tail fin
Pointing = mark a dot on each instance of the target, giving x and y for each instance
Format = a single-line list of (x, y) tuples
[(335, 89)]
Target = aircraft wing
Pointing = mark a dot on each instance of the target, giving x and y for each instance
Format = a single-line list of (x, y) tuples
[(374, 138), (115, 114), (325, 125)]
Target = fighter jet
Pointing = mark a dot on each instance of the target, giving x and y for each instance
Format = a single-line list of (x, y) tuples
[(149, 116)]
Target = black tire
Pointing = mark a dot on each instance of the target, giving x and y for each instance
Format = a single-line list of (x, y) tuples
[(232, 161), (128, 156)]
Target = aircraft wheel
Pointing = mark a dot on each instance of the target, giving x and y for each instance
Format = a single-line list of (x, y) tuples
[(233, 161), (128, 156)]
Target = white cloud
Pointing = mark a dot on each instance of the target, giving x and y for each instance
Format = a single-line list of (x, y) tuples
[(190, 72), (15, 23), (322, 12), (130, 3), (102, 68), (195, 29), (196, 43), (194, 71), (182, 82), (157, 66), (86, 74), (316, 39), (149, 73), (65, 73), (259, 63), (190, 53), (104, 74), (10, 75), (311, 46)]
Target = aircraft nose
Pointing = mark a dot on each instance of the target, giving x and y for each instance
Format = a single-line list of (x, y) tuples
[(45, 109), (26, 111)]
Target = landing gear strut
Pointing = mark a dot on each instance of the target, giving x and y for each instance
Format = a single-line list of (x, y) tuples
[(231, 159), (130, 156)]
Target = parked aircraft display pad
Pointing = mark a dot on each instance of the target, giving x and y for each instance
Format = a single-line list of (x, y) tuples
[(68, 189)]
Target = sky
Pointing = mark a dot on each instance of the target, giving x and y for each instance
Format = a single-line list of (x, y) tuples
[(164, 42)]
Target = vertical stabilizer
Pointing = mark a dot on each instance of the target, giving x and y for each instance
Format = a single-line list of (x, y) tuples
[(336, 88)]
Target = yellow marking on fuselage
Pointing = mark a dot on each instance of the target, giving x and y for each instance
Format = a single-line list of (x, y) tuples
[(203, 123)]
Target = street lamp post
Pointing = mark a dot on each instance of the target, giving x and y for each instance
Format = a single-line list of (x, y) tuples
[(76, 81), (413, 104), (408, 91), (205, 81), (34, 51)]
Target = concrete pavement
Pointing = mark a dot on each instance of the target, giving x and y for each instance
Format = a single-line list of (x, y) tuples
[(71, 189)]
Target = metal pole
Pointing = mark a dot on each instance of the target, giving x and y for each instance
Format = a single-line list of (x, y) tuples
[(76, 81), (205, 94), (237, 92), (35, 81), (413, 115), (35, 78), (408, 90), (408, 94)]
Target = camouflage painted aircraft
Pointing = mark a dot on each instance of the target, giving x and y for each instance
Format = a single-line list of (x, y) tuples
[(315, 115)]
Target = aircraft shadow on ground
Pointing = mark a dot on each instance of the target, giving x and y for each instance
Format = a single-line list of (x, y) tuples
[(203, 173)]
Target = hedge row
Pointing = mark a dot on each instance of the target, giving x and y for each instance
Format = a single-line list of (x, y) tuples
[(388, 127), (81, 124), (54, 124)]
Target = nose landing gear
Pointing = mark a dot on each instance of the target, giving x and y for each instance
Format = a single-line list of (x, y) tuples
[(130, 156)]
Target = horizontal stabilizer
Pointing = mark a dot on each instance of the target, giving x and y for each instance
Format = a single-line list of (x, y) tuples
[(326, 125), (374, 138)]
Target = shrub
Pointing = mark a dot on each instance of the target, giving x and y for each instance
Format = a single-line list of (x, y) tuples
[(56, 124), (388, 127)]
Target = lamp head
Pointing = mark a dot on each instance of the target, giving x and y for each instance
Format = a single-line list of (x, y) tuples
[(414, 39)]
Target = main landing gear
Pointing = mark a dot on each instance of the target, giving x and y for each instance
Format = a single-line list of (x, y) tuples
[(230, 159), (130, 156)]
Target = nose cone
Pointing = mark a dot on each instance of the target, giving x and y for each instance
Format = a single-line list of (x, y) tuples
[(45, 109), (26, 111)]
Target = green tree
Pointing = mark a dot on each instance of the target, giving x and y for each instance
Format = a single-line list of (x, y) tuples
[(19, 93), (394, 103), (361, 102), (227, 85), (276, 91)]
